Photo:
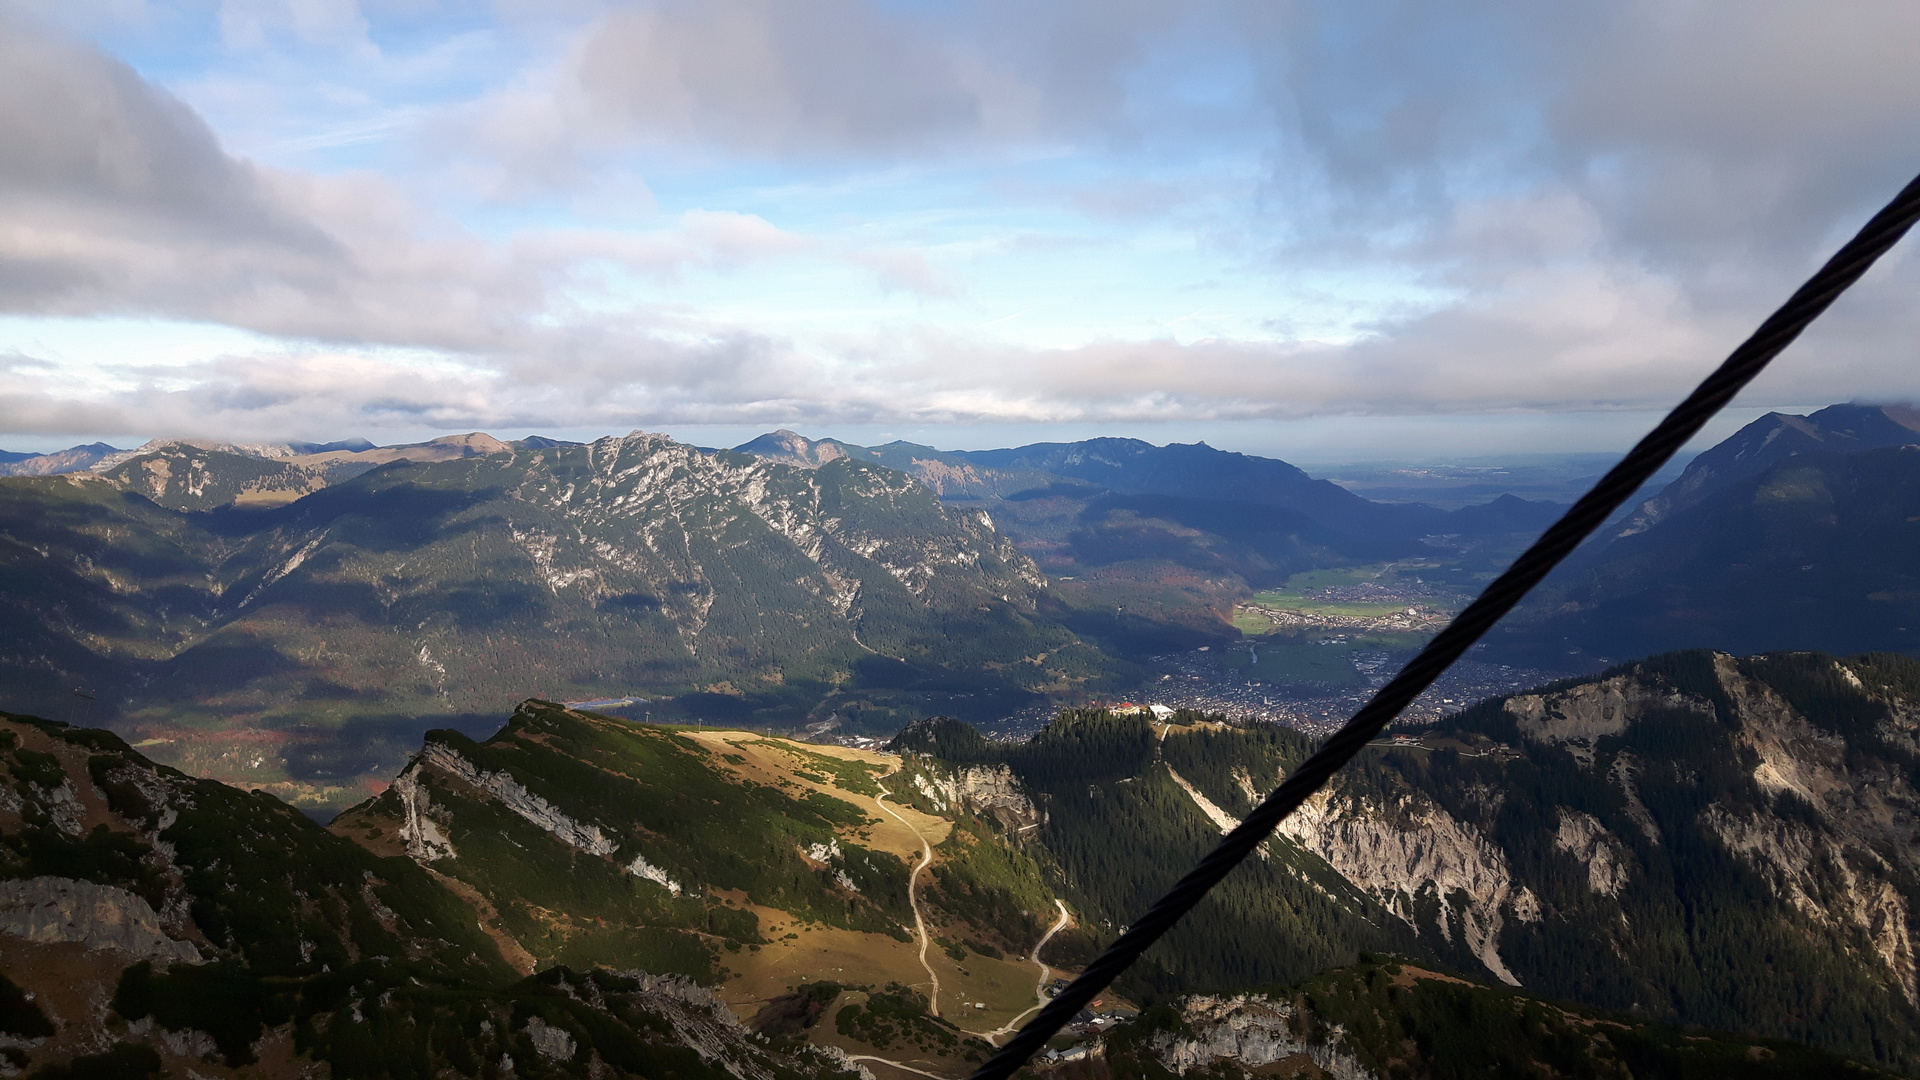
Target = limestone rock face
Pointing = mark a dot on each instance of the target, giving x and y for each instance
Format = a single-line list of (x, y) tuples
[(47, 910), (515, 797), (1251, 1032), (420, 832), (1583, 837), (1409, 852), (1578, 717), (988, 791), (1842, 886)]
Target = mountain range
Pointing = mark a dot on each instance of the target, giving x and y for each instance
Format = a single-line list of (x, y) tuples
[(186, 595), (72, 459), (299, 614), (1607, 875)]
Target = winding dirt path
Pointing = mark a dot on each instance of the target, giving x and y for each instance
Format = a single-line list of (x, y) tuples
[(895, 1064), (920, 928), (1039, 985), (913, 897)]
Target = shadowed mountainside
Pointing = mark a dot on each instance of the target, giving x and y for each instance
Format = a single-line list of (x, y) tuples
[(1690, 839)]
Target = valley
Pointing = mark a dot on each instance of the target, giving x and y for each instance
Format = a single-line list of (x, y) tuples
[(297, 617), (750, 540), (966, 643)]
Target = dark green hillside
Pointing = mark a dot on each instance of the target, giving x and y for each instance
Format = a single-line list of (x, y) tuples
[(94, 584), (1757, 447), (179, 913), (1262, 545), (725, 842), (1397, 1020), (1819, 551), (1100, 778), (1691, 839)]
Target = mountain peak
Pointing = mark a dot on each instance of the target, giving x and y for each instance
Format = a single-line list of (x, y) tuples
[(478, 442), (1751, 450), (792, 448)]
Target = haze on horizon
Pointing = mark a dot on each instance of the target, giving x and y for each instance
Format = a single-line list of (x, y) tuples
[(1314, 230)]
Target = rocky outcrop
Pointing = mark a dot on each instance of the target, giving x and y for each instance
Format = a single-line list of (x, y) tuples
[(1251, 1032), (987, 791), (1607, 860), (1575, 719), (419, 831), (1402, 855), (552, 1043), (703, 1023), (515, 797), (646, 871), (829, 857), (1840, 886), (1411, 850), (48, 910)]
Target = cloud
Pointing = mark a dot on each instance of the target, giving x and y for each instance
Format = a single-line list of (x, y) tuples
[(119, 199), (812, 81), (1536, 208), (703, 239), (908, 271)]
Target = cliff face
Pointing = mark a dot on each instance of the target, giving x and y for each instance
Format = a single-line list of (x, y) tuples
[(1431, 870), (1694, 838), (1248, 1032), (1694, 820), (987, 791), (56, 909)]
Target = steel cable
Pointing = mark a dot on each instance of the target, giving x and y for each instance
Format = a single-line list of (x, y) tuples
[(1781, 328)]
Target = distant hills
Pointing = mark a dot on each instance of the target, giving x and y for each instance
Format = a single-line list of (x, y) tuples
[(338, 599), (1797, 532), (193, 589), (1151, 546), (72, 459), (335, 600)]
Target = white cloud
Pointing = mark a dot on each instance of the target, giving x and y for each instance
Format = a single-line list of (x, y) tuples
[(1533, 209), (908, 271)]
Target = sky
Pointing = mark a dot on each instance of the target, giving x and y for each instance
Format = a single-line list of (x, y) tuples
[(1327, 230)]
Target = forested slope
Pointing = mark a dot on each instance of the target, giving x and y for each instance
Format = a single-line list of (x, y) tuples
[(151, 923), (1693, 839)]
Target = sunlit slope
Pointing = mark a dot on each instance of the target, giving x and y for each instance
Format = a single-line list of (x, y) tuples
[(725, 587), (751, 864), (151, 921)]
